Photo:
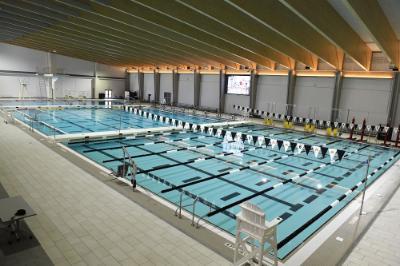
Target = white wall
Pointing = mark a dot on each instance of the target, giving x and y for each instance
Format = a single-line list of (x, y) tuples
[(116, 85), (366, 98), (9, 86), (165, 84), (271, 93), (72, 86), (110, 71), (148, 86), (209, 91), (232, 99), (313, 97), (15, 58), (134, 82), (68, 65), (186, 89)]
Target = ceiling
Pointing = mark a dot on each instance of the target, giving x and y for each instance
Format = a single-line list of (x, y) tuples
[(206, 34)]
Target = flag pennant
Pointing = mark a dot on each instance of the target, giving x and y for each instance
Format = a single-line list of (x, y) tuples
[(167, 120), (300, 147), (194, 128), (323, 151), (243, 137), (280, 142), (260, 140), (205, 130), (135, 111), (228, 136), (336, 124), (187, 126), (340, 154), (254, 140), (267, 141), (307, 148), (249, 139), (219, 132), (210, 131), (223, 133), (332, 153), (293, 146), (202, 128), (286, 145), (233, 134), (215, 131), (274, 142), (238, 136), (180, 124), (316, 150)]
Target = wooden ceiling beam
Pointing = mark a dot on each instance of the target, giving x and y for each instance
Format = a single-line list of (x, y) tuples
[(136, 27), (374, 19), (154, 22), (231, 17), (278, 17), (66, 25), (324, 18)]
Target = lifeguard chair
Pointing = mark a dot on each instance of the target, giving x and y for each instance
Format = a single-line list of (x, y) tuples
[(259, 235)]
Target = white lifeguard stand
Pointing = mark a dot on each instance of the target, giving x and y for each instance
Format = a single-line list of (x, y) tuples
[(257, 232)]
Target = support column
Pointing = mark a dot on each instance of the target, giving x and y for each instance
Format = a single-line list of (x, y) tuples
[(49, 81), (156, 87), (94, 82), (253, 89), (197, 80), (127, 81), (290, 92), (175, 87), (141, 85), (394, 102), (337, 92), (221, 91)]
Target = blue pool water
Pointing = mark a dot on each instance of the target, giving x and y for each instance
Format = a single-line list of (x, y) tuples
[(25, 103), (83, 120), (87, 119), (304, 204)]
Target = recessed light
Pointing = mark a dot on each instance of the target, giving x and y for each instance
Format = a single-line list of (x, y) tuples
[(54, 51)]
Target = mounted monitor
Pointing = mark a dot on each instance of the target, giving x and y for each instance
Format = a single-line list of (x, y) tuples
[(238, 84)]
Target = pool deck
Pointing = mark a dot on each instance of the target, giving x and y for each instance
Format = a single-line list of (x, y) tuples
[(81, 220), (67, 197)]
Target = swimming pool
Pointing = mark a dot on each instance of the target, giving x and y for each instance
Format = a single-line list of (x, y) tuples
[(82, 120), (57, 102), (303, 190), (59, 121)]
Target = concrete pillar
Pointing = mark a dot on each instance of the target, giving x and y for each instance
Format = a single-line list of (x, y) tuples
[(197, 80), (253, 89), (94, 82), (48, 80), (222, 81), (290, 92), (141, 86), (394, 100), (156, 87), (175, 87), (127, 81), (337, 92)]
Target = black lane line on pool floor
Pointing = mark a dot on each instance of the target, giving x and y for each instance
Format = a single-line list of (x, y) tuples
[(271, 188)]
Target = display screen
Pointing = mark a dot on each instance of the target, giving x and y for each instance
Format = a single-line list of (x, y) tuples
[(238, 84)]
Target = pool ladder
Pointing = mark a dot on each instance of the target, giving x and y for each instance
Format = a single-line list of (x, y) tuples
[(178, 211)]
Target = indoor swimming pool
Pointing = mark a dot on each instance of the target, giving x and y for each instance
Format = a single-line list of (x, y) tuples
[(304, 190), (59, 121), (58, 102)]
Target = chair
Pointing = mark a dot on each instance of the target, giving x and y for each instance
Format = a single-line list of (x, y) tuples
[(256, 230), (8, 227)]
